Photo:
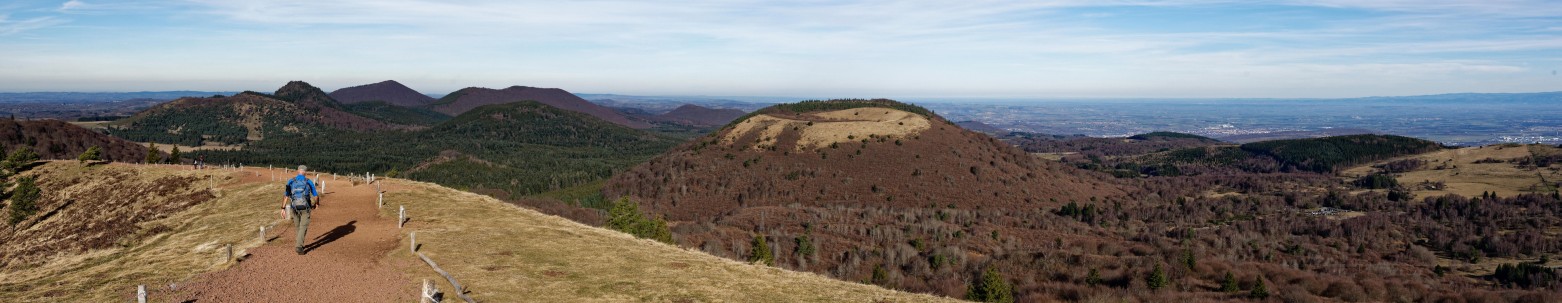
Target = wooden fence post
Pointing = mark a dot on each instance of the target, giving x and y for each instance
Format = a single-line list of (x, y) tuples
[(401, 217), (230, 254), (140, 293), (412, 247), (428, 292), (460, 292), (262, 234), (380, 202)]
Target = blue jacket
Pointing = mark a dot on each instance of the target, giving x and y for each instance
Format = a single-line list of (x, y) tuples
[(307, 188)]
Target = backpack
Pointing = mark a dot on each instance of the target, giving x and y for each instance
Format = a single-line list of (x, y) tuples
[(298, 189)]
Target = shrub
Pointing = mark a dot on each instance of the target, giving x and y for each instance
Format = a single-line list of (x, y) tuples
[(20, 157), (93, 153), (880, 275), (991, 287), (24, 199), (1094, 278)]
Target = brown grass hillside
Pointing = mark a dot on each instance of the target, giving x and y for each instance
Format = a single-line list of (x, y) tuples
[(111, 227), (102, 230), (54, 139), (505, 253)]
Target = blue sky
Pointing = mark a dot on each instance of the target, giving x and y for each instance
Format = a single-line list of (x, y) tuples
[(989, 49)]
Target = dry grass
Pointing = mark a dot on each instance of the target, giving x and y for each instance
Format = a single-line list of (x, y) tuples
[(1053, 156), (1467, 178), (504, 253), (169, 148), (831, 127), (192, 242)]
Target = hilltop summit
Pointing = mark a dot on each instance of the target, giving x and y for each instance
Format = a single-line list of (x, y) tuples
[(856, 152), (388, 91), (469, 98)]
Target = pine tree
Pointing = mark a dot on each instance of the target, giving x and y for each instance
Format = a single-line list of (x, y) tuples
[(1188, 259), (805, 246), (1094, 278), (761, 251), (990, 288), (1229, 284), (1259, 291), (23, 199), (1157, 278), (173, 157), (152, 154)]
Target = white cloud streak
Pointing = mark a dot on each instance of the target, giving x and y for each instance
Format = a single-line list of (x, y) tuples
[(995, 48)]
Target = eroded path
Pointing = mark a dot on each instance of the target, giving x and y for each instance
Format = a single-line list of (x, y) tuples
[(345, 260)]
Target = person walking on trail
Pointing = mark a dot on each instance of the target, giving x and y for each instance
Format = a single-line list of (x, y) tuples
[(300, 191)]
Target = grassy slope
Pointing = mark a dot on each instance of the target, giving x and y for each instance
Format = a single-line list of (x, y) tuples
[(501, 252), (505, 253), (191, 243), (1465, 177)]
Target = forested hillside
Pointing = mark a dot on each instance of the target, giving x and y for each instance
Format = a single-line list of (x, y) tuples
[(1330, 154), (296, 110), (504, 149)]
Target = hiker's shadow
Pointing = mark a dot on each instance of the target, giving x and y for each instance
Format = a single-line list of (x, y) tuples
[(332, 236)]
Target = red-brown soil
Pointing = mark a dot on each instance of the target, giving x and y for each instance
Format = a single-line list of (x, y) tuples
[(346, 258)]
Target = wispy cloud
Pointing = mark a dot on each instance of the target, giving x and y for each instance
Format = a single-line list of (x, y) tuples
[(12, 27), (72, 4), (1125, 47)]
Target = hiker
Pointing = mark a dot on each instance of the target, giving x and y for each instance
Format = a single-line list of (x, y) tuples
[(297, 201)]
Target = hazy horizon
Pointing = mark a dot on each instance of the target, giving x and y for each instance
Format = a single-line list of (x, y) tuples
[(995, 50)]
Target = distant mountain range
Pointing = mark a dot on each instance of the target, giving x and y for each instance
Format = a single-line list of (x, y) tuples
[(296, 109), (78, 97)]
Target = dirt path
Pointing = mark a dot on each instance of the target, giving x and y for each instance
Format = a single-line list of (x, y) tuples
[(345, 259)]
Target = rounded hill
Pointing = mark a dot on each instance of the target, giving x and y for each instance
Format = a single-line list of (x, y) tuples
[(853, 152)]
